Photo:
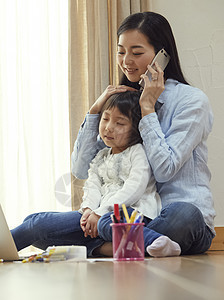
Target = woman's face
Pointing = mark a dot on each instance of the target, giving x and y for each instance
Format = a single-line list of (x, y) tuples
[(134, 54)]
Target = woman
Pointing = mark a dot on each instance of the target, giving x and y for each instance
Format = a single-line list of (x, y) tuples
[(176, 121)]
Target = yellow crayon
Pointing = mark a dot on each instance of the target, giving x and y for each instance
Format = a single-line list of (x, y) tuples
[(133, 215), (125, 213)]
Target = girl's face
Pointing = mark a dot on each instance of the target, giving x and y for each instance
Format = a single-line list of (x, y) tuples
[(115, 129), (134, 54)]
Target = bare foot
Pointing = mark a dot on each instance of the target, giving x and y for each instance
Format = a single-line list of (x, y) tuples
[(104, 250)]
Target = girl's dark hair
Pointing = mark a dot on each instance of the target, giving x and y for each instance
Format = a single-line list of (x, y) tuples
[(159, 34), (128, 105)]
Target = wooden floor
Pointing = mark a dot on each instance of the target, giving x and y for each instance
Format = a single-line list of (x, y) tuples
[(177, 278)]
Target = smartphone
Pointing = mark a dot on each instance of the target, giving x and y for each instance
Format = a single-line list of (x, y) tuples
[(162, 57)]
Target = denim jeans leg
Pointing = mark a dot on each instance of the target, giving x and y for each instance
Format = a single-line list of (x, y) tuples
[(184, 223), (53, 228), (105, 230)]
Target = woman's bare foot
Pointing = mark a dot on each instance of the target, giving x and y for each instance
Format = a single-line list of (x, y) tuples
[(104, 250)]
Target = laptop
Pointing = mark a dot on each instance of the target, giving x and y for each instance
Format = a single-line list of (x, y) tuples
[(8, 250)]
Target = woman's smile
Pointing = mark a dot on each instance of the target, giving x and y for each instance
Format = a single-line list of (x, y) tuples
[(130, 71)]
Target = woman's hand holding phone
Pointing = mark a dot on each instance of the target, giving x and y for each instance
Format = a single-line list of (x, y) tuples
[(152, 89), (109, 91)]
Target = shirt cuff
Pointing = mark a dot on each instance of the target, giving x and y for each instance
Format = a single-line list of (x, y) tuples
[(150, 130), (148, 124), (91, 121)]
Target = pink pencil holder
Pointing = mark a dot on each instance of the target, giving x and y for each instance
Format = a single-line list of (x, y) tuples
[(128, 242)]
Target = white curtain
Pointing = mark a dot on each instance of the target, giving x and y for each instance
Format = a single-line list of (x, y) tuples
[(34, 113)]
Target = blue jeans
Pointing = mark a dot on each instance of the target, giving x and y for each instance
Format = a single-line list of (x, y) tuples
[(53, 228), (182, 222)]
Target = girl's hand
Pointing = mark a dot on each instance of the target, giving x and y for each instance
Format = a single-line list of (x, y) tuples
[(152, 90), (84, 218), (91, 226), (109, 91)]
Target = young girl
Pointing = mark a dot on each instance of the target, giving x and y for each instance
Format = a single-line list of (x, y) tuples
[(118, 174)]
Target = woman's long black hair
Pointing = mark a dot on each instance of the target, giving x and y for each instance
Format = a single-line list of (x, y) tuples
[(159, 34)]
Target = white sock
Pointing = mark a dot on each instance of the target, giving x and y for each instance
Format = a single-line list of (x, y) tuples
[(163, 246)]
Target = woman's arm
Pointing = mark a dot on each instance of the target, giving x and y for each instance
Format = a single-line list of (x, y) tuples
[(86, 146), (186, 122)]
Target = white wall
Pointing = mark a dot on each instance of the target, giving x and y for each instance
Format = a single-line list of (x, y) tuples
[(198, 26)]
